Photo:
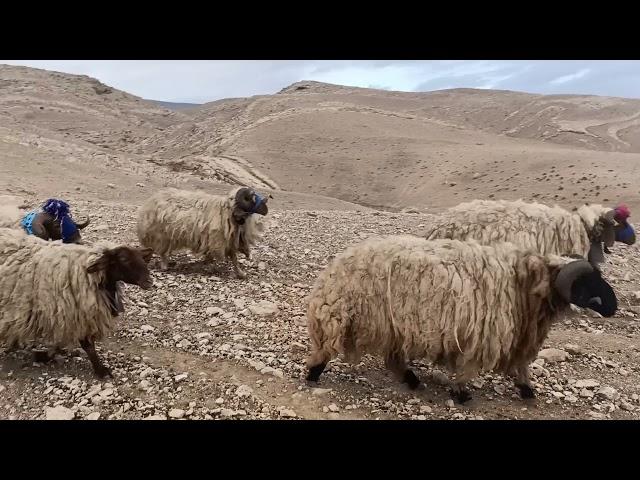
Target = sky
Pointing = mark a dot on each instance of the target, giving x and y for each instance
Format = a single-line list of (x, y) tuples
[(200, 81)]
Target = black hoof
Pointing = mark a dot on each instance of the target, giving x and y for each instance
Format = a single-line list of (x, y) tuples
[(526, 391), (42, 357), (460, 396), (102, 372), (411, 380), (315, 372)]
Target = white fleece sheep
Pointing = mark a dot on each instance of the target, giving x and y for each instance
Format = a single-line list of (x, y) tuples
[(62, 294), (548, 230), (210, 225), (466, 306)]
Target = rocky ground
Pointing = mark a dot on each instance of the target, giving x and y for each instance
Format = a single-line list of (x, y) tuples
[(204, 345)]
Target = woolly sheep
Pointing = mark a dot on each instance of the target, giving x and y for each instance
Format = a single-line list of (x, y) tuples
[(466, 306), (64, 294), (209, 225), (548, 230)]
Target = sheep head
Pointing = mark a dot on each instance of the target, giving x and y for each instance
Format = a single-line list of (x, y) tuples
[(580, 283), (246, 202), (124, 264), (54, 229)]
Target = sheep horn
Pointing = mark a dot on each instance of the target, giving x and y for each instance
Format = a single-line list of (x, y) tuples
[(80, 226), (568, 274)]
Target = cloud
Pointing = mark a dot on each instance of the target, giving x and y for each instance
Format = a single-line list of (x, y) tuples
[(199, 81), (571, 77)]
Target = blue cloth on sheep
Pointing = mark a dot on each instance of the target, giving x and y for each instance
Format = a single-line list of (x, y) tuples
[(27, 222), (60, 210), (625, 234)]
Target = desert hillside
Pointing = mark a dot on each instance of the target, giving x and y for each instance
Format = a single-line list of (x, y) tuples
[(342, 164)]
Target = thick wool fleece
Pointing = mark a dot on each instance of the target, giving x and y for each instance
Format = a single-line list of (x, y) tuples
[(46, 293), (467, 306), (547, 230), (174, 219)]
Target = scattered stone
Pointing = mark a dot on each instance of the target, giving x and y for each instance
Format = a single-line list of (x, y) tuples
[(553, 355), (264, 308), (609, 393), (181, 377), (93, 416), (584, 393), (155, 417), (333, 408), (59, 413), (176, 413), (627, 406), (425, 409), (111, 185), (287, 413), (244, 391), (449, 403), (588, 383), (320, 391), (572, 348)]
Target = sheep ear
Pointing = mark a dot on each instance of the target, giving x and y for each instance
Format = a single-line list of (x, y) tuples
[(99, 264)]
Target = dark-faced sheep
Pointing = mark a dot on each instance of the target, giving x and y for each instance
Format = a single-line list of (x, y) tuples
[(210, 225), (466, 306), (64, 294), (52, 221)]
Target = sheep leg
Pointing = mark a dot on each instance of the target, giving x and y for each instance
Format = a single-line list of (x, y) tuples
[(164, 262), (399, 368), (523, 383), (459, 391), (316, 363), (236, 267), (100, 369), (46, 356)]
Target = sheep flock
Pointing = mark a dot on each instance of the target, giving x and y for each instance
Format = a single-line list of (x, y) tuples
[(473, 291)]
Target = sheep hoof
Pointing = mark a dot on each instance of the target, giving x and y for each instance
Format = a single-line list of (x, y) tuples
[(526, 391), (42, 356), (460, 395), (411, 380), (315, 372)]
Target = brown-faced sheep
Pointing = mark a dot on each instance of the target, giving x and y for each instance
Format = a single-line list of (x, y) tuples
[(64, 294), (209, 225), (466, 306)]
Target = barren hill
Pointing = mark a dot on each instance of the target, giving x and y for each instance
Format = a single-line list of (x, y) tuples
[(372, 147)]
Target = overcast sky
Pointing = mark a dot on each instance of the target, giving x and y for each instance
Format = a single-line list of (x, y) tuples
[(207, 80)]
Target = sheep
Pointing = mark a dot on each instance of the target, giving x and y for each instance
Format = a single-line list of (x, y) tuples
[(459, 304), (209, 225), (52, 221), (64, 294), (531, 225)]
